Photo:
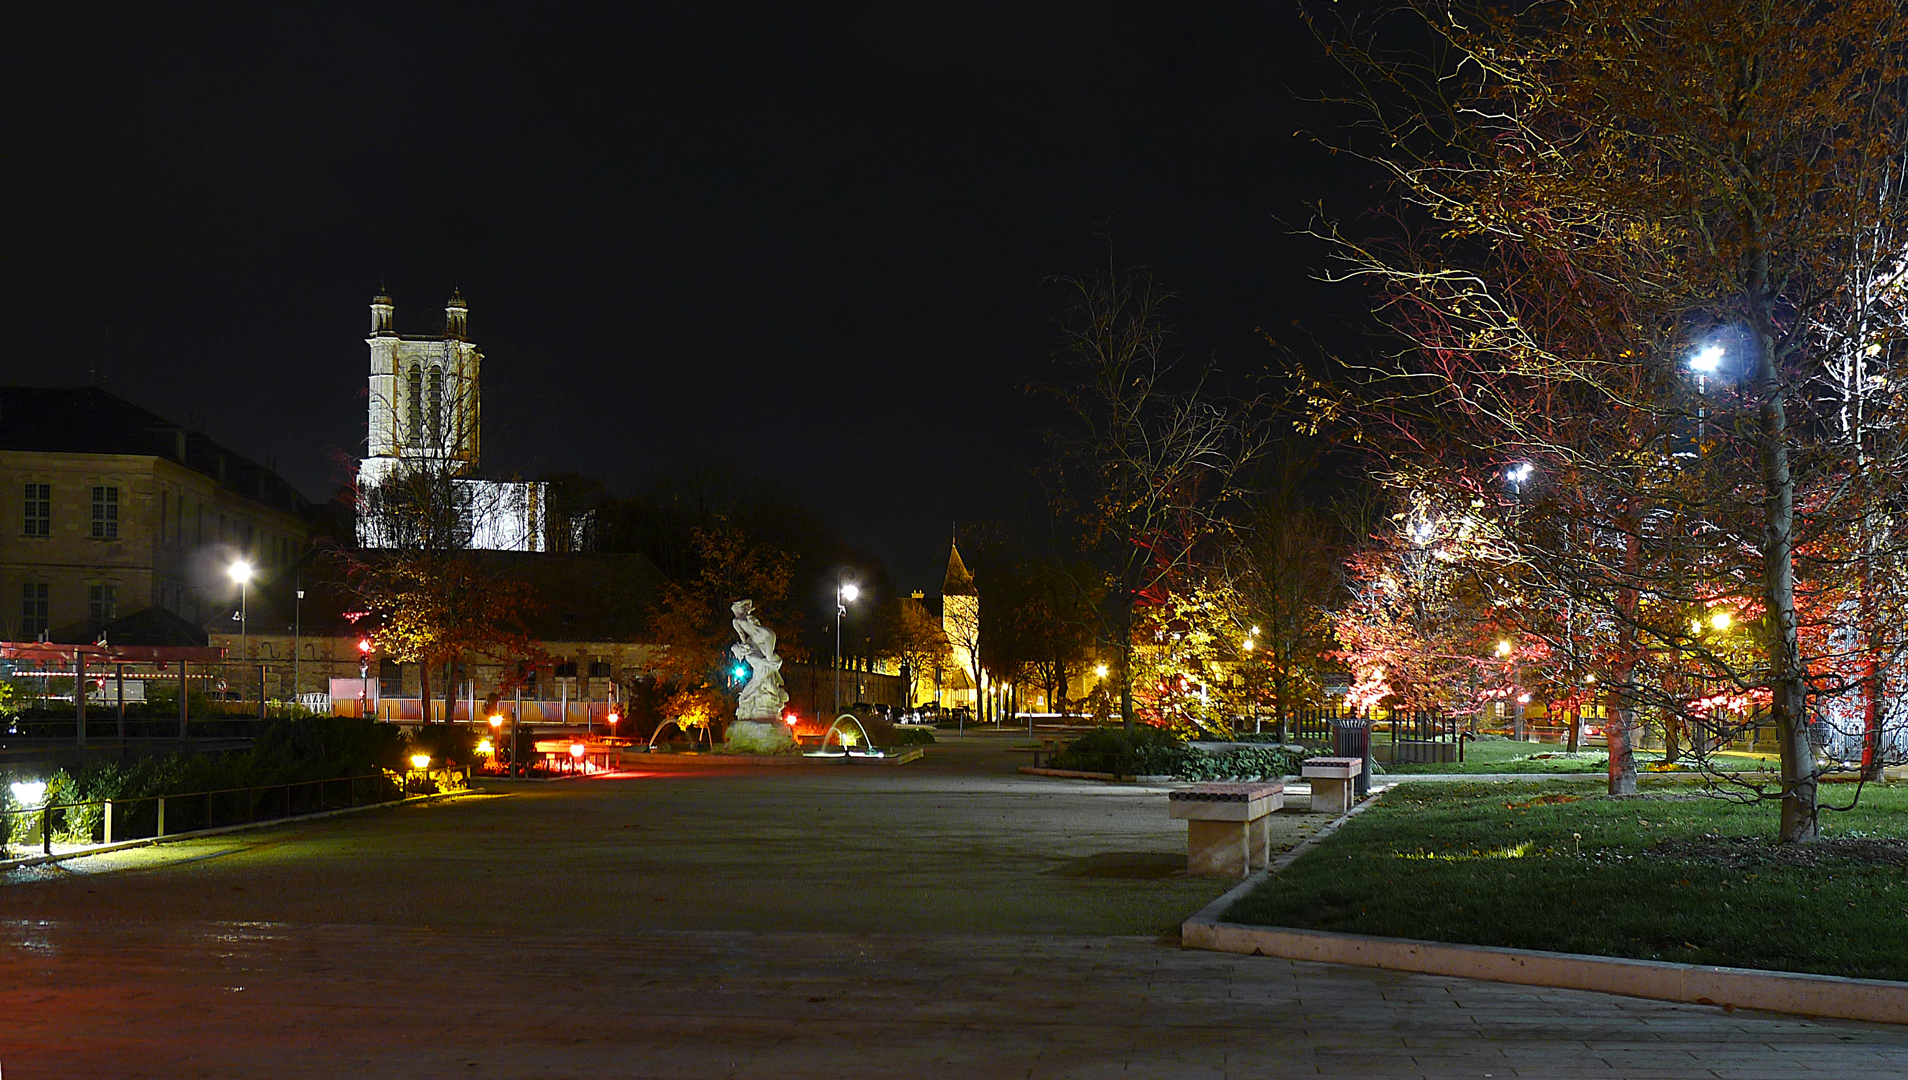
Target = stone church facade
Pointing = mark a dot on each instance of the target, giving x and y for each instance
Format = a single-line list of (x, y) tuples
[(424, 425)]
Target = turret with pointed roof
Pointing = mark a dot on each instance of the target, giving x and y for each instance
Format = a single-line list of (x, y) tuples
[(960, 621), (958, 581)]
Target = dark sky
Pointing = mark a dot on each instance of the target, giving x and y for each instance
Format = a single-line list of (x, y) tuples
[(805, 240)]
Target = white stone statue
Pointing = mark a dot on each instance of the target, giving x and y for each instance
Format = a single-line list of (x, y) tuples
[(758, 708)]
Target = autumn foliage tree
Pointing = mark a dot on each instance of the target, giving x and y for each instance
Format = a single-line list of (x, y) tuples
[(1586, 198), (1149, 458), (692, 618)]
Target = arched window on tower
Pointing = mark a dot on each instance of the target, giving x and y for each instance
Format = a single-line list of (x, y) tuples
[(414, 414), (437, 407)]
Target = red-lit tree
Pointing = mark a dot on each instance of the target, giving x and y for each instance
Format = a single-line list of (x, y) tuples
[(1589, 197)]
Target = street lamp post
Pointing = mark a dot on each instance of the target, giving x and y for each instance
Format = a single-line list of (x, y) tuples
[(298, 614), (845, 593), (1706, 361), (241, 572)]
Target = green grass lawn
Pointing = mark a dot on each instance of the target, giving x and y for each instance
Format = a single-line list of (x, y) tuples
[(1672, 875), (1527, 757)]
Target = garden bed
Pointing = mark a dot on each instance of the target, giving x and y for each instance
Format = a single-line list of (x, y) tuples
[(1558, 866)]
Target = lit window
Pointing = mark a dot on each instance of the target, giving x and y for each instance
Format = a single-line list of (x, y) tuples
[(39, 510), (105, 513)]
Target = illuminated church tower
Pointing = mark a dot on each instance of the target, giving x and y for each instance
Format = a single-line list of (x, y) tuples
[(960, 621), (424, 419), (424, 402)]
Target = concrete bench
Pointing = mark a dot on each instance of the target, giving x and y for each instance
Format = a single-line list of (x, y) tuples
[(1226, 826), (1332, 779)]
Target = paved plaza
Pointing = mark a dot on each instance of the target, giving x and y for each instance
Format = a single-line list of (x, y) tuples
[(947, 918)]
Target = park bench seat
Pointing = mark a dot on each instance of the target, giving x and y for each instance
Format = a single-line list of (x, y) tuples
[(1226, 825), (1332, 779)]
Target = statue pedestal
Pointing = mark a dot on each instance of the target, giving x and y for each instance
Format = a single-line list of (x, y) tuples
[(760, 737)]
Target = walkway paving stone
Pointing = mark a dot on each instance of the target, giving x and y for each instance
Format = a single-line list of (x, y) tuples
[(815, 923)]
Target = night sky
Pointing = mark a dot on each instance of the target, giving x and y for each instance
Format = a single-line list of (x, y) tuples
[(804, 240)]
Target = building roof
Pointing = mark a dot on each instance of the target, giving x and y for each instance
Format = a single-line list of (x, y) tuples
[(592, 597), (958, 581), (89, 420), (153, 625)]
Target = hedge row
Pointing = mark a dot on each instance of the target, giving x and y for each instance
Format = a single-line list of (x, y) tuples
[(1151, 751)]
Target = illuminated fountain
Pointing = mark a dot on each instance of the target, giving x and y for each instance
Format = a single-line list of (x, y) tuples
[(672, 722), (855, 742)]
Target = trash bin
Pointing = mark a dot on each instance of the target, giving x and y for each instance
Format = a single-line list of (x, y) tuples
[(1351, 737)]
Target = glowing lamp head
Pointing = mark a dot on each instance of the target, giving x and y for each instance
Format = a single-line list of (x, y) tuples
[(28, 792), (612, 717), (1721, 620), (241, 571), (1523, 699), (364, 645), (1707, 359), (1590, 680), (1504, 647), (740, 671), (484, 747), (1246, 644), (850, 591), (496, 721), (420, 761), (1254, 632), (577, 749), (1100, 670), (789, 719)]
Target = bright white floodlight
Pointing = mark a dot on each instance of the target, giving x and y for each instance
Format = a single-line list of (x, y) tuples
[(241, 571), (849, 591), (28, 792), (1706, 359)]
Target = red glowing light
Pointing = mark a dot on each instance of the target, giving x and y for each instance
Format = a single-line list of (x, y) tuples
[(364, 644)]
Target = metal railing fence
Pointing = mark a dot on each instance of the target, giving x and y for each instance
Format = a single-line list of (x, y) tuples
[(108, 821)]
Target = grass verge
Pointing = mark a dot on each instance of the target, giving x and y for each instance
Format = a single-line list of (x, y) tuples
[(1526, 757), (1558, 866)]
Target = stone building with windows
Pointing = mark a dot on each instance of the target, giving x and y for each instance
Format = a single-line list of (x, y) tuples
[(107, 510)]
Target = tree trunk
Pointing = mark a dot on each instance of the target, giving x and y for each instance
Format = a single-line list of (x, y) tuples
[(1619, 731), (1789, 682), (1672, 738), (1126, 687), (424, 691), (1576, 728), (1871, 669)]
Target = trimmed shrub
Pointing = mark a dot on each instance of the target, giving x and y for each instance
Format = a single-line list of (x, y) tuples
[(1152, 751)]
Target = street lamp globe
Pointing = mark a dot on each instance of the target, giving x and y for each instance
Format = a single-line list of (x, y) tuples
[(850, 591), (241, 571), (1706, 359)]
